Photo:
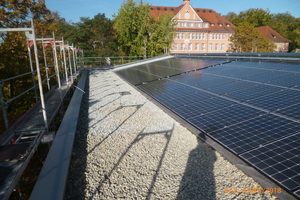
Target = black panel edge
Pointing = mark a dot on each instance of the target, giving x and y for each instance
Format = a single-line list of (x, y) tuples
[(238, 162)]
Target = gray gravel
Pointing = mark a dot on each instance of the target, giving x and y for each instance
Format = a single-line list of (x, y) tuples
[(128, 148)]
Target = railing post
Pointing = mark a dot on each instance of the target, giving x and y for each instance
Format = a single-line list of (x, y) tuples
[(3, 105), (65, 61), (39, 77), (74, 59), (46, 65), (70, 63), (56, 63), (32, 73)]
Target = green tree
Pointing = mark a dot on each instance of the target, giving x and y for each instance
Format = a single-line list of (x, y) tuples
[(138, 33), (284, 23), (13, 48), (255, 16), (95, 36), (247, 39)]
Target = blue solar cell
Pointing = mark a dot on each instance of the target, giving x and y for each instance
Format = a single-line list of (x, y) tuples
[(221, 118), (277, 100), (186, 100), (248, 73), (291, 111), (269, 76), (289, 81), (234, 86), (252, 133), (252, 92), (202, 107), (279, 160)]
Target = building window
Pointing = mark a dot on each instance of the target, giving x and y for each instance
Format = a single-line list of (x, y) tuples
[(212, 24), (204, 36), (182, 24), (175, 46), (190, 24), (190, 46), (196, 46), (190, 36), (205, 25), (217, 47), (177, 36), (220, 25), (210, 36), (203, 46), (222, 47), (194, 36), (217, 36), (197, 25), (182, 47), (224, 36), (210, 47), (228, 25)]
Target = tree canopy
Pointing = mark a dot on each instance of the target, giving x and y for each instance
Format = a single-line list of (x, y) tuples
[(248, 39), (284, 23), (139, 33)]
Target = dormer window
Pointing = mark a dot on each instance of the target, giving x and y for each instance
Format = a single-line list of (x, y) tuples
[(220, 25), (228, 25), (205, 25), (274, 36), (212, 24)]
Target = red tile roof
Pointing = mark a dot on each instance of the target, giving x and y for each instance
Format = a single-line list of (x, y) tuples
[(207, 15), (269, 33)]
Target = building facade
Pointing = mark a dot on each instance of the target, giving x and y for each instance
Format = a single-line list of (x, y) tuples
[(198, 30), (281, 43)]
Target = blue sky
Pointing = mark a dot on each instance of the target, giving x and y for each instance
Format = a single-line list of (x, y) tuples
[(72, 10)]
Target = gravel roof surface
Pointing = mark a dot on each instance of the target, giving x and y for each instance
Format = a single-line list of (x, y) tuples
[(128, 148)]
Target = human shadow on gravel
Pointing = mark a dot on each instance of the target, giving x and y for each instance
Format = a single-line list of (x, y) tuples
[(139, 137), (198, 181)]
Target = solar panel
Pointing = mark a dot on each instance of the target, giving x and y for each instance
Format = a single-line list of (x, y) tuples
[(186, 100), (279, 160), (221, 118), (252, 92), (297, 193), (291, 111), (289, 81), (266, 77), (234, 86), (251, 108), (277, 100), (252, 133), (136, 77), (202, 107)]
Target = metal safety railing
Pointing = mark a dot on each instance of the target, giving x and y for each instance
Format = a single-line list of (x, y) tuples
[(108, 61), (41, 78)]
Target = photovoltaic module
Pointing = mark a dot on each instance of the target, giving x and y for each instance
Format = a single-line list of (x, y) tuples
[(250, 108)]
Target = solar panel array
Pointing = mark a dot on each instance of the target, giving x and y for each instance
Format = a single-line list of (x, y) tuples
[(251, 108)]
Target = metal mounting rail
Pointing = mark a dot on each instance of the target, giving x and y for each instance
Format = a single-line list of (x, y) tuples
[(52, 180)]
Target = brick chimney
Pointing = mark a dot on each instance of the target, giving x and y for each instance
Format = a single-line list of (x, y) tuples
[(186, 1)]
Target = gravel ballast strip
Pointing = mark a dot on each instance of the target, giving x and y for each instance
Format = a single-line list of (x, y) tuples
[(128, 148)]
